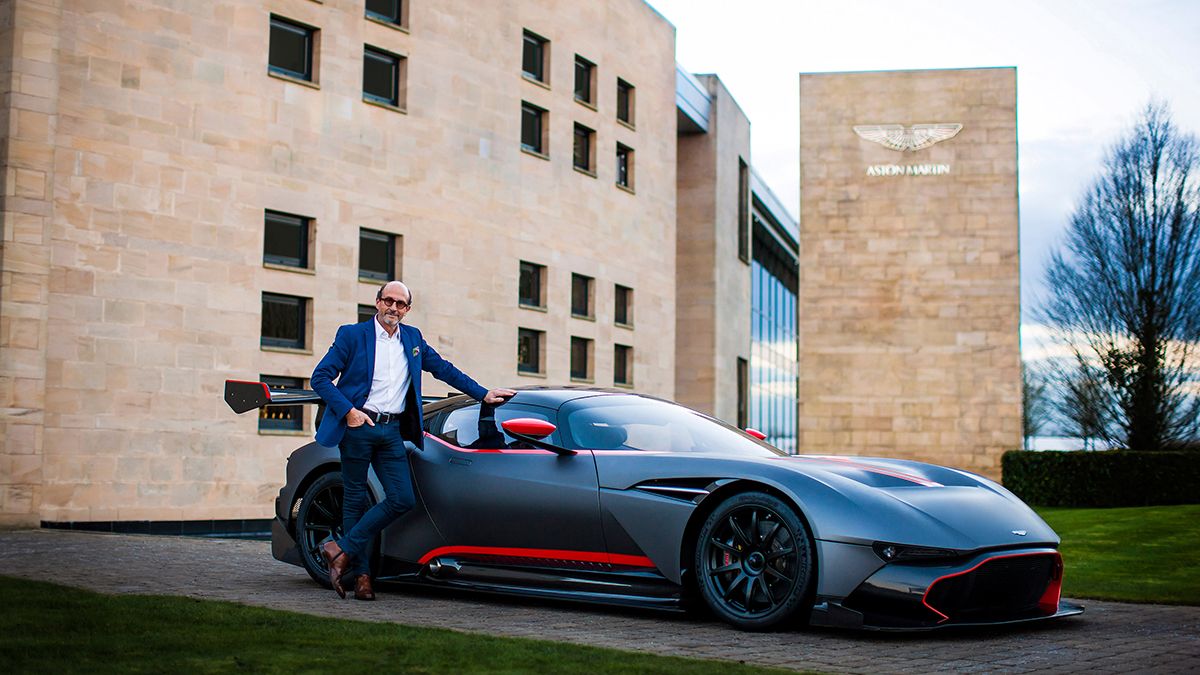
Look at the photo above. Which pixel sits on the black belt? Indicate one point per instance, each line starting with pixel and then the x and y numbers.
pixel 383 418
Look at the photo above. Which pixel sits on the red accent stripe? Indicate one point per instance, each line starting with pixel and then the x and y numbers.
pixel 873 469
pixel 266 389
pixel 1047 603
pixel 541 554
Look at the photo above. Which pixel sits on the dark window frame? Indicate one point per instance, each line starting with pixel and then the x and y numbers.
pixel 540 115
pixel 623 298
pixel 623 355
pixel 743 234
pixel 391 273
pixel 397 63
pixel 309 33
pixel 366 312
pixel 626 103
pixel 743 393
pixel 588 136
pixel 589 290
pixel 582 372
pixel 398 18
pixel 625 167
pixel 588 70
pixel 272 219
pixel 539 285
pixel 301 318
pixel 535 365
pixel 538 47
pixel 274 419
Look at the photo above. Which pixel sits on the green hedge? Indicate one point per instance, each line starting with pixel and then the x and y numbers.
pixel 1104 478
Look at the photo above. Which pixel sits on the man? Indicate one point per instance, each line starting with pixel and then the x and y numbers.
pixel 372 410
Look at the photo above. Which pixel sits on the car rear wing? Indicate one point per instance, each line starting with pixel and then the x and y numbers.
pixel 244 396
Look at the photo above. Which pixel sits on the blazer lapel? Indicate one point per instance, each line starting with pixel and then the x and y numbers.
pixel 406 340
pixel 369 338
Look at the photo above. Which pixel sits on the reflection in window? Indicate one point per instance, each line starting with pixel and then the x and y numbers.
pixel 477 427
pixel 283 321
pixel 774 350
pixel 282 417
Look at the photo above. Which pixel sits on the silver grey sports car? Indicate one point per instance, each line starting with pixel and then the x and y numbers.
pixel 613 497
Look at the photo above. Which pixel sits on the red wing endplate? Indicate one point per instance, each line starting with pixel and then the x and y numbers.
pixel 244 396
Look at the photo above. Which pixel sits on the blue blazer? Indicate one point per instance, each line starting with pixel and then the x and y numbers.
pixel 352 357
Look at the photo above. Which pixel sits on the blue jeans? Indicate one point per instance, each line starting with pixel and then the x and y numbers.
pixel 362 447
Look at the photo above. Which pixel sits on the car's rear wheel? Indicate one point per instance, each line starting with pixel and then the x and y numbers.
pixel 318 519
pixel 754 561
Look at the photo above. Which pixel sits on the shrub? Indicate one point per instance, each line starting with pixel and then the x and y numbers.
pixel 1105 478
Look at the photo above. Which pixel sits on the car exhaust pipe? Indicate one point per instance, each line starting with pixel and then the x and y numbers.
pixel 442 568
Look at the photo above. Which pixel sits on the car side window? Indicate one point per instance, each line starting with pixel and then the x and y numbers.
pixel 477 426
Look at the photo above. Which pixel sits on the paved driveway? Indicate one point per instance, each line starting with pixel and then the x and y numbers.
pixel 1109 637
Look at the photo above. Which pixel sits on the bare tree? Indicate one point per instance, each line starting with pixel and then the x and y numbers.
pixel 1126 283
pixel 1035 402
pixel 1085 407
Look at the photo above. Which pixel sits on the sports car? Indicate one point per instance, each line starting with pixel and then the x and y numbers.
pixel 614 497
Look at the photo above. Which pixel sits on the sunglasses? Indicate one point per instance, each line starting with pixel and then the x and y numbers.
pixel 400 304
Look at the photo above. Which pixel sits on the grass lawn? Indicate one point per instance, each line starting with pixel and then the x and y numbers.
pixel 1143 554
pixel 55 629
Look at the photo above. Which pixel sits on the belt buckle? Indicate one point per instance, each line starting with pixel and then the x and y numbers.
pixel 385 418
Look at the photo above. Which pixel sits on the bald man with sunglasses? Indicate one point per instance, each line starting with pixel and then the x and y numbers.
pixel 372 411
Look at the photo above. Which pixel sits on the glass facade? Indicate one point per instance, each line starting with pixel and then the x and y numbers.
pixel 774 349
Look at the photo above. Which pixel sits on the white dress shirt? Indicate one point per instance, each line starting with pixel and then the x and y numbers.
pixel 390 381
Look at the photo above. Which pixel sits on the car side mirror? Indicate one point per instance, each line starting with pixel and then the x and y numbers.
pixel 757 434
pixel 528 426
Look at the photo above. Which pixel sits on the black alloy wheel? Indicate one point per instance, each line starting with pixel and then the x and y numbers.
pixel 318 519
pixel 754 561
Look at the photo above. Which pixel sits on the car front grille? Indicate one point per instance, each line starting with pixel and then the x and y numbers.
pixel 1001 588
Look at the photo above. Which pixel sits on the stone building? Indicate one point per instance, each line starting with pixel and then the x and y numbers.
pixel 909 285
pixel 202 191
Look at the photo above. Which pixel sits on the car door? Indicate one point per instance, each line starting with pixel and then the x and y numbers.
pixel 489 493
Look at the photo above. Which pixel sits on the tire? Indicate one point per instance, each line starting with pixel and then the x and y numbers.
pixel 754 561
pixel 318 519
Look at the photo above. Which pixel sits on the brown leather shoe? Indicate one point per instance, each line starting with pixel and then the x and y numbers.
pixel 362 588
pixel 338 562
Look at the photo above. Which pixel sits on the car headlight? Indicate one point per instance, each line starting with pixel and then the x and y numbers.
pixel 889 552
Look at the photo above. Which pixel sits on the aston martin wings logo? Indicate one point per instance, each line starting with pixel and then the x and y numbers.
pixel 907 139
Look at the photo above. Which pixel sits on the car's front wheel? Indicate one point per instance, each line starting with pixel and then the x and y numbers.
pixel 754 561
pixel 319 518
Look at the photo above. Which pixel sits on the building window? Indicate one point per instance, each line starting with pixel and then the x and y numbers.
pixel 376 256
pixel 743 211
pixel 388 11
pixel 533 128
pixel 581 296
pixel 283 321
pixel 366 312
pixel 625 102
pixel 383 77
pixel 774 387
pixel 624 166
pixel 535 59
pixel 531 291
pixel 622 364
pixel 623 316
pixel 529 350
pixel 585 81
pixel 285 239
pixel 291 50
pixel 581 359
pixel 282 417
pixel 743 393
pixel 585 141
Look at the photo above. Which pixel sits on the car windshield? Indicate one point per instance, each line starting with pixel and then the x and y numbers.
pixel 623 422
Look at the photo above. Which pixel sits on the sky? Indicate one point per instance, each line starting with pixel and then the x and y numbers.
pixel 1085 69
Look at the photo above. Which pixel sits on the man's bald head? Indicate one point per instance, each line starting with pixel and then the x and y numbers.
pixel 394 286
